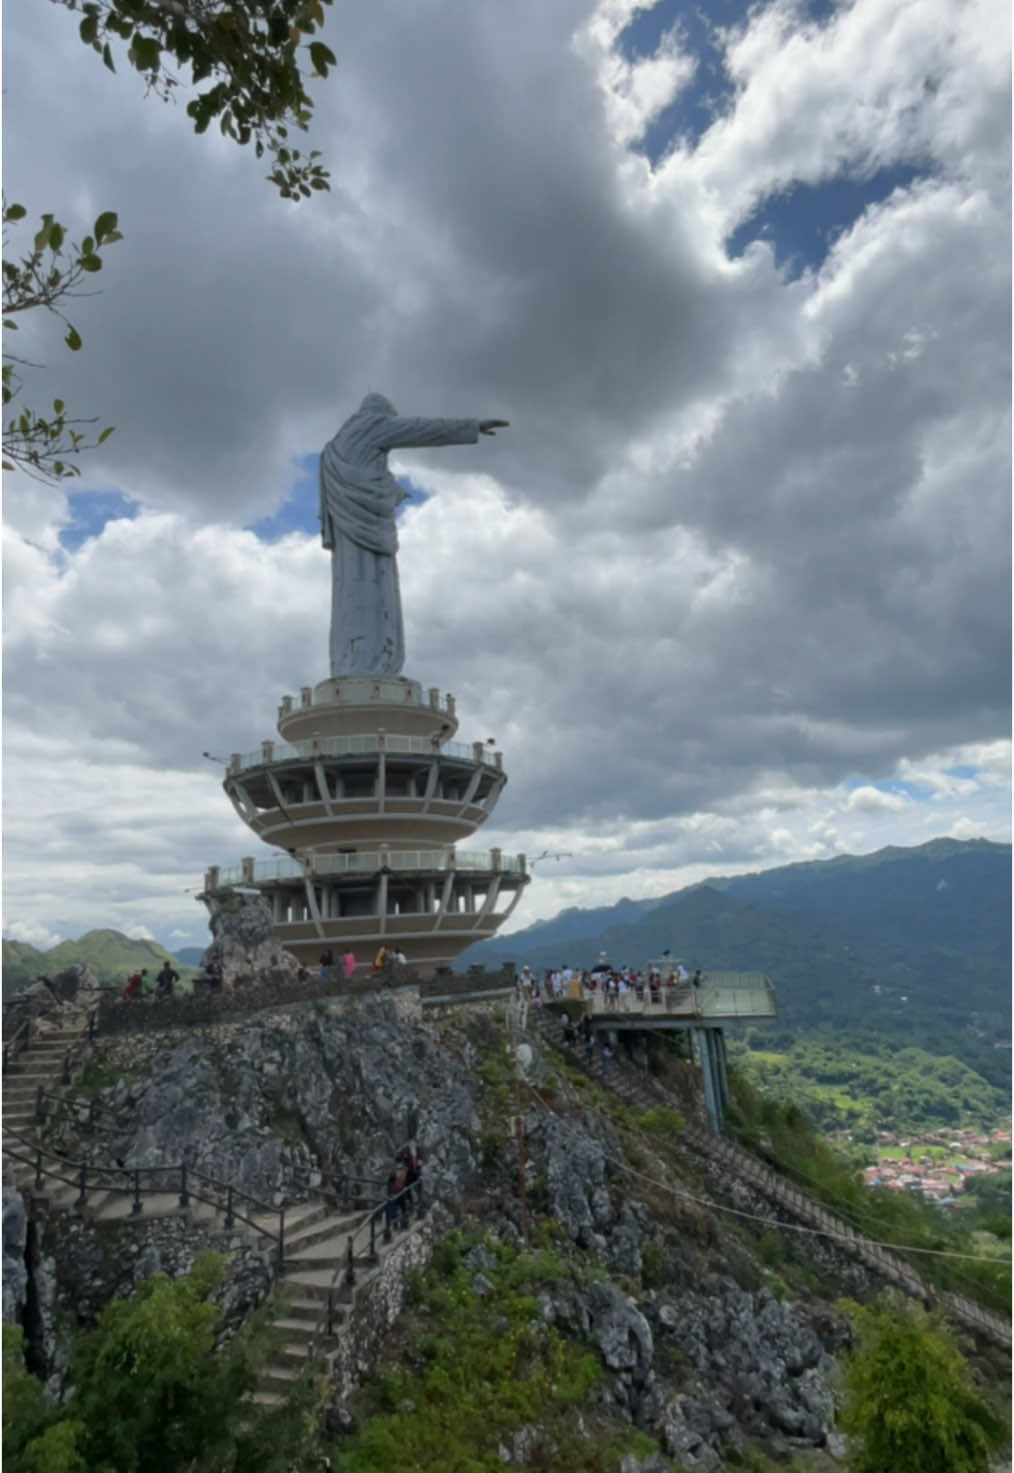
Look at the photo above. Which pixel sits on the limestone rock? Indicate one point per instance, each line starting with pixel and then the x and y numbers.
pixel 15 1275
pixel 245 947
pixel 268 1106
pixel 621 1331
pixel 77 984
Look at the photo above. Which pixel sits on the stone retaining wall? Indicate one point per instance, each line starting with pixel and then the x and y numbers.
pixel 379 1304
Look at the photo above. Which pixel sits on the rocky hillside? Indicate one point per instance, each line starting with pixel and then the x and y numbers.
pixel 661 1318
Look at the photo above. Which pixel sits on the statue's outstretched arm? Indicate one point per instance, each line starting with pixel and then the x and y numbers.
pixel 405 433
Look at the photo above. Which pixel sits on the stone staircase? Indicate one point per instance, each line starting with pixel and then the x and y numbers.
pixel 40 1063
pixel 317 1232
pixel 645 1091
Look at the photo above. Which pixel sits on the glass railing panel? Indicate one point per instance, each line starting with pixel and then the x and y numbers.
pixel 367 742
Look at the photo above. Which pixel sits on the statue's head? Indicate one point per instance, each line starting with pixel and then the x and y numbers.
pixel 377 404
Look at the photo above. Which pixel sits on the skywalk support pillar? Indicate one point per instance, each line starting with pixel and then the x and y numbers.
pixel 710 1075
pixel 722 1068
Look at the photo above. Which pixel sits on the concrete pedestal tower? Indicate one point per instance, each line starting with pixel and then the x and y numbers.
pixel 367 793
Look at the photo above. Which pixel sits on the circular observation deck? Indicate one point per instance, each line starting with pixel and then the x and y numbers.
pixel 430 903
pixel 332 793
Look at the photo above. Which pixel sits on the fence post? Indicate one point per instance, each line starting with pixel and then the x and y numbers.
pixel 350 1266
pixel 281 1238
pixel 373 1238
pixel 330 1313
pixel 135 1206
pixel 387 1223
pixel 40 1104
pixel 83 1194
pixel 229 1219
pixel 184 1194
pixel 38 1167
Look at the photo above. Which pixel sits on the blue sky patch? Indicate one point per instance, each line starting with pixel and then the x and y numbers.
pixel 803 221
pixel 298 513
pixel 90 511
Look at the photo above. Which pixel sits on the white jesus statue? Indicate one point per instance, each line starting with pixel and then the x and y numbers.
pixel 358 500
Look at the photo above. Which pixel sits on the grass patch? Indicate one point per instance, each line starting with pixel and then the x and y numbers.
pixel 481 1367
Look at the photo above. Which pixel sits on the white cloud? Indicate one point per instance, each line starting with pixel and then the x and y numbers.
pixel 733 588
pixel 868 799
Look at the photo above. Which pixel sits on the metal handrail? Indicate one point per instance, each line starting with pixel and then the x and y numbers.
pixel 39 1158
pixel 14 1045
pixel 324 1328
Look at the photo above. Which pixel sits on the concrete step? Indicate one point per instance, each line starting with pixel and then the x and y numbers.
pixel 293 1354
pixel 313 1283
pixel 268 1398
pixel 293 1329
pixel 301 1213
pixel 280 1378
pixel 294 1309
pixel 309 1233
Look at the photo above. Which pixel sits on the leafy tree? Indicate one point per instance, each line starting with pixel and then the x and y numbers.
pixel 250 54
pixel 152 1389
pixel 46 276
pixel 248 51
pixel 910 1403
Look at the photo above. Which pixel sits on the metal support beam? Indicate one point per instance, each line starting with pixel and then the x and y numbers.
pixel 325 796
pixel 490 901
pixel 472 786
pixel 445 896
pixel 708 1074
pixel 722 1064
pixel 431 784
pixel 311 900
pixel 382 905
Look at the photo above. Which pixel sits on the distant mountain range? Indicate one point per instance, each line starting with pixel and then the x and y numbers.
pixel 930 927
pixel 110 955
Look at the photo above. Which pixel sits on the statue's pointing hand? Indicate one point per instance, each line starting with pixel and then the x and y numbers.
pixel 490 426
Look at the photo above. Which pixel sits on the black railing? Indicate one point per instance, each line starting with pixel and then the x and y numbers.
pixel 89 1176
pixel 17 1043
pixel 343 1281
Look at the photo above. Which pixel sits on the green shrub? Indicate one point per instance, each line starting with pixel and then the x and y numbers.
pixel 654 1266
pixel 910 1404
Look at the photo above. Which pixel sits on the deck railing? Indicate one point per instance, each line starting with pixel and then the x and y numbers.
pixel 369 862
pixel 351 746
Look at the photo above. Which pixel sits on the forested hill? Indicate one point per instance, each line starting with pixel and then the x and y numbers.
pixel 110 955
pixel 929 927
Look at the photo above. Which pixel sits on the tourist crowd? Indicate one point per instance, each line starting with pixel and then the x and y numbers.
pixel 603 980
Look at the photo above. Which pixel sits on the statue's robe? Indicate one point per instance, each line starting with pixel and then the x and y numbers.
pixel 358 501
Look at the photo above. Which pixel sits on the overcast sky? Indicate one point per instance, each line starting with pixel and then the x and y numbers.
pixel 732 590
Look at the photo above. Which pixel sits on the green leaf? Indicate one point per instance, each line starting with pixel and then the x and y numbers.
pixel 107 57
pixel 56 235
pixel 91 263
pixel 144 53
pixel 322 57
pixel 109 430
pixel 88 30
pixel 57 406
pixel 15 212
pixel 105 225
pixel 73 339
